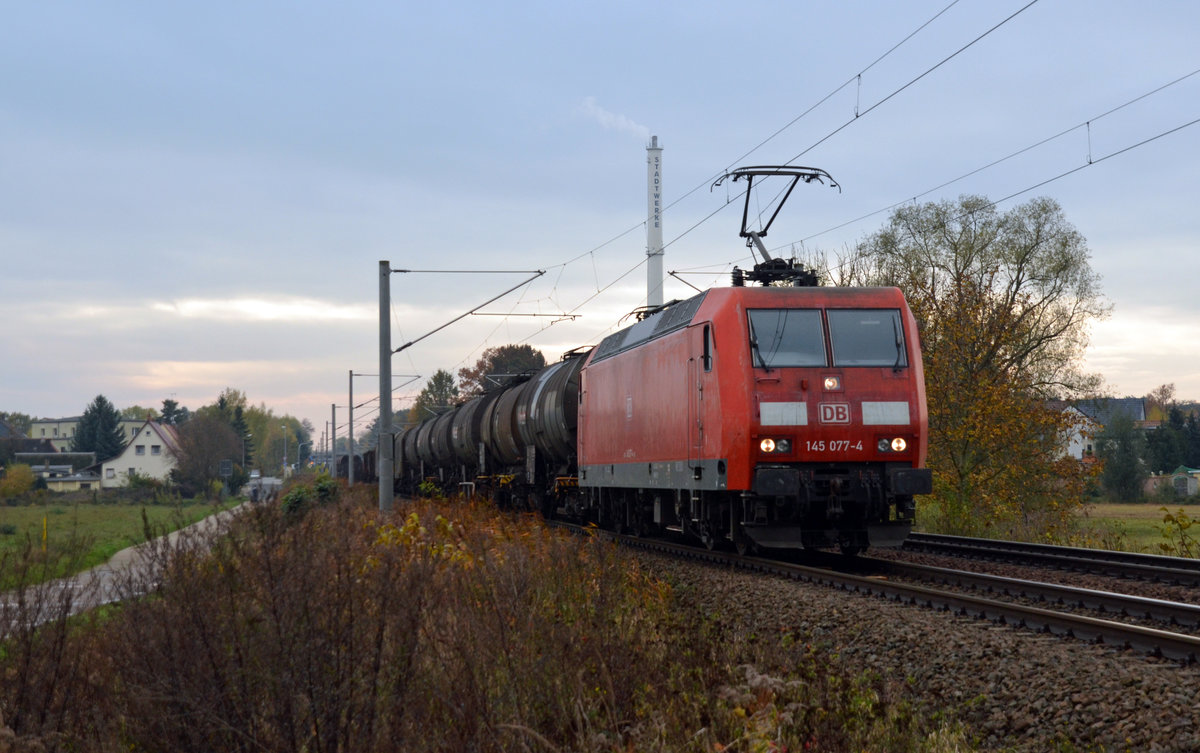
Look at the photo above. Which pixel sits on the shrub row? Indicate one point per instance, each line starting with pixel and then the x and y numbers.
pixel 308 627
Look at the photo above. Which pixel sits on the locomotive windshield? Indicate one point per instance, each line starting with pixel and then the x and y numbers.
pixel 865 337
pixel 787 337
pixel 796 337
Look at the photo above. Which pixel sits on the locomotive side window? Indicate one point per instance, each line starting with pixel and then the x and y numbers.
pixel 787 337
pixel 707 348
pixel 867 337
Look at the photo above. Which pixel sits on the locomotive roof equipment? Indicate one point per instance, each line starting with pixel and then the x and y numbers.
pixel 771 270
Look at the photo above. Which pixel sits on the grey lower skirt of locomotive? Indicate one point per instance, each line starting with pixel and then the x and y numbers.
pixel 788 507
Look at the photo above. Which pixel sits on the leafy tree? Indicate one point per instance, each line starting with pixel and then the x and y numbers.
pixel 99 430
pixel 1122 446
pixel 1159 402
pixel 439 393
pixel 204 442
pixel 501 360
pixel 368 438
pixel 139 413
pixel 18 421
pixel 1167 446
pixel 1004 301
pixel 242 430
pixel 1191 432
pixel 173 413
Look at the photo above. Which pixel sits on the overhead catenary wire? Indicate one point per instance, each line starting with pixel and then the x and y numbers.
pixel 591 252
pixel 994 163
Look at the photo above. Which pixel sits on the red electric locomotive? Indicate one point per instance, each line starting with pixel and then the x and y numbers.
pixel 769 417
pixel 782 416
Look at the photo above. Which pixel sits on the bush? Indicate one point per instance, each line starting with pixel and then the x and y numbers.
pixel 1178 538
pixel 17 481
pixel 440 628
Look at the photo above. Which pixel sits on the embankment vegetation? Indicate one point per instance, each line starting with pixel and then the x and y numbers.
pixel 327 626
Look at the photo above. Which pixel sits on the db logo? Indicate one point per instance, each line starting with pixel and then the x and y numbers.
pixel 834 413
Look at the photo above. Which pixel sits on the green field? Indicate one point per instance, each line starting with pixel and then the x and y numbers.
pixel 89 533
pixel 1140 525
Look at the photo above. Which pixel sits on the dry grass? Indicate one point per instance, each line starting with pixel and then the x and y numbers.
pixel 440 628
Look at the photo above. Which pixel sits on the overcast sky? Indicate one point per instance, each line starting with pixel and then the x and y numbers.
pixel 198 196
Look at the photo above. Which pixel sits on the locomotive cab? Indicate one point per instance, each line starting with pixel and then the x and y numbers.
pixel 766 417
pixel 839 431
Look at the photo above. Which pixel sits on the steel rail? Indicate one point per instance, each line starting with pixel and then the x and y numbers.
pixel 1151 641
pixel 1172 612
pixel 1174 570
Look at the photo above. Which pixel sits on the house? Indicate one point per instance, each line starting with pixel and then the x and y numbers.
pixel 1089 417
pixel 60 431
pixel 150 453
pixel 62 471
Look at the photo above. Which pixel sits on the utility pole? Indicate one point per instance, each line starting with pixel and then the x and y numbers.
pixel 350 432
pixel 333 425
pixel 386 448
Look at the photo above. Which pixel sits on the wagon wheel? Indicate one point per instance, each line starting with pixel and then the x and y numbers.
pixel 743 544
pixel 848 548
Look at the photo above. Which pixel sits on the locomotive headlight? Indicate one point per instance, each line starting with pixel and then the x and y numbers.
pixel 899 445
pixel 833 383
pixel 775 446
pixel 884 445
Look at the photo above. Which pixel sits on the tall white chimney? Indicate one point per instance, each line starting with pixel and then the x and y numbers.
pixel 654 241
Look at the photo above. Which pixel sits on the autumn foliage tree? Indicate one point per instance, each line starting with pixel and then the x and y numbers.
pixel 496 363
pixel 204 442
pixel 1004 301
pixel 439 393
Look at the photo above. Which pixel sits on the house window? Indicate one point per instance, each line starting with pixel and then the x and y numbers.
pixel 56 431
pixel 155 449
pixel 85 485
pixel 110 473
pixel 139 450
pixel 131 472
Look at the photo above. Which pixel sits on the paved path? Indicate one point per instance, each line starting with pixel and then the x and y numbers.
pixel 101 584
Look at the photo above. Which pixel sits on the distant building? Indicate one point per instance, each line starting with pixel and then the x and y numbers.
pixel 75 482
pixel 150 453
pixel 1184 481
pixel 1089 417
pixel 8 432
pixel 66 478
pixel 60 431
pixel 45 457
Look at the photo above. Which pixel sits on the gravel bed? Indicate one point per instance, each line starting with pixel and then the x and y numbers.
pixel 1014 689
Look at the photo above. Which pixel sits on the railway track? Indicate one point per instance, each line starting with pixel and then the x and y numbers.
pixel 1120 606
pixel 888 579
pixel 1171 570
